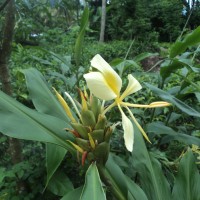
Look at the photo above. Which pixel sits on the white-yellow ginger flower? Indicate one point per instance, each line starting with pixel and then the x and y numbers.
pixel 106 84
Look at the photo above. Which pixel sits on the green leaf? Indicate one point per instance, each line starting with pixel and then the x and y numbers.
pixel 116 175
pixel 60 184
pixel 171 99
pixel 2 174
pixel 93 187
pixel 190 40
pixel 80 38
pixel 197 94
pixel 135 192
pixel 151 177
pixel 144 55
pixel 159 128
pixel 45 102
pixel 54 156
pixel 126 64
pixel 187 182
pixel 21 122
pixel 74 194
pixel 170 66
pixel 41 95
pixel 64 59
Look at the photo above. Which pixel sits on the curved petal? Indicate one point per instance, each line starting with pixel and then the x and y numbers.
pixel 128 131
pixel 98 86
pixel 133 86
pixel 111 77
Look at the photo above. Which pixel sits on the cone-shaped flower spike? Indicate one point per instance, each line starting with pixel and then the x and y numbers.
pixel 89 127
pixel 106 84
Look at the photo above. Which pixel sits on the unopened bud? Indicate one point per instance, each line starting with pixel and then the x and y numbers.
pixel 101 123
pixel 88 118
pixel 108 134
pixel 95 106
pixel 84 144
pixel 101 152
pixel 98 135
pixel 82 130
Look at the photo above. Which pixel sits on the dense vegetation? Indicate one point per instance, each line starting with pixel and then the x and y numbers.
pixel 157 41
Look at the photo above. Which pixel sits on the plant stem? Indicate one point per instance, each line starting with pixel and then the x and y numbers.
pixel 110 183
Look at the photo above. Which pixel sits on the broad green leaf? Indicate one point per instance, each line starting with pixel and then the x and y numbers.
pixel 54 156
pixel 190 39
pixel 21 122
pixel 73 195
pixel 160 128
pixel 171 99
pixel 126 64
pixel 41 95
pixel 93 187
pixel 116 176
pixel 63 59
pixel 144 55
pixel 45 102
pixel 151 177
pixel 80 38
pixel 170 66
pixel 60 184
pixel 42 61
pixel 187 182
pixel 197 94
pixel 135 192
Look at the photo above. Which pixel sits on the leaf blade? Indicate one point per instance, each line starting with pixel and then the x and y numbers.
pixel 93 187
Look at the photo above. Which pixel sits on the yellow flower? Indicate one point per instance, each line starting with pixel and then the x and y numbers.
pixel 106 84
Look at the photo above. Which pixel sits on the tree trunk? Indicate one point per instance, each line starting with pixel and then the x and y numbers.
pixel 5 49
pixel 5 52
pixel 103 21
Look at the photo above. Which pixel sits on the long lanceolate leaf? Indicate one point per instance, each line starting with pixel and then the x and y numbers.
pixel 168 97
pixel 151 177
pixel 189 40
pixel 134 191
pixel 41 95
pixel 187 182
pixel 45 102
pixel 93 188
pixel 170 134
pixel 80 38
pixel 21 122
pixel 54 156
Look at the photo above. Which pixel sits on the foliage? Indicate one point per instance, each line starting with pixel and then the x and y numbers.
pixel 165 169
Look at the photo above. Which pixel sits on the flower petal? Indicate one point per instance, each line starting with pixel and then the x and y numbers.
pixel 111 77
pixel 133 86
pixel 138 125
pixel 128 131
pixel 98 86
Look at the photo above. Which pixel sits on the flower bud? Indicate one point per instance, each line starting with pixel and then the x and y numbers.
pixel 101 152
pixel 101 123
pixel 95 106
pixel 82 130
pixel 108 134
pixel 84 144
pixel 88 118
pixel 98 135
